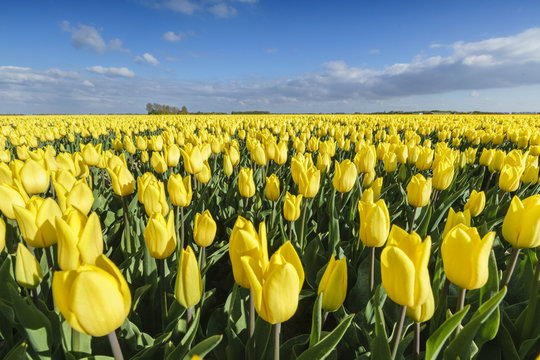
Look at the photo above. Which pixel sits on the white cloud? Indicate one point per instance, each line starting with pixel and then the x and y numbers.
pixel 111 71
pixel 223 10
pixel 88 37
pixel 475 93
pixel 171 36
pixel 147 58
pixel 88 83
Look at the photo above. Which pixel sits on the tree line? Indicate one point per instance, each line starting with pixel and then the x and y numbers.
pixel 159 109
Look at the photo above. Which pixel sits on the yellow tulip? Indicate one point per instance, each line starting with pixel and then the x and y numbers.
pixel 141 143
pixel 272 187
pixel 425 159
pixel 145 157
pixel 94 299
pixel 204 229
pixel 158 162
pixel 142 183
pixel 366 159
pixel 344 176
pixel 91 154
pixel 333 284
pixel 154 198
pixel 374 223
pixel 172 155
pixel 179 190
pixel 37 221
pixel 128 145
pixel 476 203
pixel 246 185
pixel 443 173
pixel 402 153
pixel 291 206
pixel 367 196
pixel 424 311
pixel 28 272
pixel 454 219
pixel 117 144
pixel 193 160
pixel 156 143
pixel 259 155
pixel 160 235
pixel 510 178
pixel 323 163
pixel 34 178
pixel 5 155
pixel 11 196
pixel 122 180
pixel 188 288
pixel 404 271
pixel 234 155
pixel 205 174
pixel 6 176
pixel 80 196
pixel 419 191
pixel 521 225
pixel 309 182
pixel 80 240
pixel 486 156
pixel 281 155
pixel 227 165
pixel 390 162
pixel 64 178
pixel 497 162
pixel 466 256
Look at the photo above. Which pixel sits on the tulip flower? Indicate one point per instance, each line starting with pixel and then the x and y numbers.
pixel 510 178
pixel 497 161
pixel 94 299
pixel 291 206
pixel 128 145
pixel 142 183
pixel 454 219
pixel 37 221
pixel 79 196
pixel 404 271
pixel 344 176
pixel 259 155
pixel 521 225
pixel 281 155
pixel 465 256
pixel 188 287
pixel 34 178
pixel 160 235
pixel 205 174
pixel 204 229
pixel 64 178
pixel 193 161
pixel 309 182
pixel 90 153
pixel 234 155
pixel 227 165
pixel 333 284
pixel 374 223
pixel 424 311
pixel 272 187
pixel 246 185
pixel 179 190
pixel 476 203
pixel 117 144
pixel 28 272
pixel 419 191
pixel 443 173
pixel 122 180
pixel 158 162
pixel 172 155
pixel 390 162
pixel 365 159
pixel 323 163
pixel 141 143
pixel 80 240
pixel 154 198
pixel 145 157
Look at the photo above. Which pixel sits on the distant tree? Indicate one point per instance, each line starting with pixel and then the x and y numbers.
pixel 159 109
pixel 184 110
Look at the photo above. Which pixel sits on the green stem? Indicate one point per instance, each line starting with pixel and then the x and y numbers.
pixel 189 316
pixel 115 346
pixel 372 271
pixel 163 292
pixel 302 240
pixel 417 340
pixel 531 308
pixel 251 315
pixel 277 328
pixel 324 317
pixel 127 234
pixel 460 305
pixel 290 230
pixel 412 220
pixel 203 258
pixel 182 231
pixel 511 266
pixel 399 329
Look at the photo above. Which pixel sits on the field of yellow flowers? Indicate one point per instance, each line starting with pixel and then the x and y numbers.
pixel 268 236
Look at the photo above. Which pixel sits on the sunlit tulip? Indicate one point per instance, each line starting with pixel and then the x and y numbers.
pixel 419 191
pixel 333 284
pixel 344 176
pixel 246 185
pixel 454 219
pixel 94 299
pixel 64 178
pixel 128 145
pixel 234 155
pixel 365 159
pixel 145 157
pixel 476 203
pixel 521 226
pixel 390 162
pixel 80 196
pixel 158 162
pixel 309 182
pixel 90 153
pixel 123 182
pixel 5 155
pixel 6 176
pixel 272 188
pixel 402 153
pixel 259 155
pixel 374 223
pixel 497 162
pixel 443 173
pixel 530 174
pixel 281 155
pixel 154 198
pixel 34 178
pixel 117 144
pixel 205 174
pixel 510 178
pixel 227 165
pixel 193 160
pixel 323 163
pixel 142 183
pixel 466 256
pixel 377 187
pixel 11 196
pixel 160 235
pixel 424 311
pixel 156 143
pixel 188 287
pixel 37 221
pixel 28 272
pixel 172 155
pixel 291 206
pixel 141 143
pixel 404 271
pixel 204 229
pixel 179 190
pixel 367 196
pixel 486 156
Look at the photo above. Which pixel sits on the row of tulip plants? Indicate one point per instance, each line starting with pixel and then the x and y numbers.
pixel 268 236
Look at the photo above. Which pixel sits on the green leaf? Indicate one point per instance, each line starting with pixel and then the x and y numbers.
pixel 182 349
pixel 436 341
pixel 204 347
pixel 324 347
pixel 507 345
pixel 461 345
pixel 316 321
pixel 380 348
pixel 18 353
pixel 261 337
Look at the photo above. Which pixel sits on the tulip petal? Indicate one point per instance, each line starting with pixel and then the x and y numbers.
pixel 62 284
pixel 398 276
pixel 91 242
pixel 280 294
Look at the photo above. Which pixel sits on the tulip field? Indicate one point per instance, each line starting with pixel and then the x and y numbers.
pixel 269 236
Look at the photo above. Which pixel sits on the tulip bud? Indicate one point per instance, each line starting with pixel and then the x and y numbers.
pixel 145 157
pixel 374 223
pixel 367 196
pixel 521 225
pixel 365 159
pixel 34 178
pixel 95 300
pixel 27 269
pixel 154 198
pixel 419 191
pixel 179 190
pixel 476 203
pixel 227 165
pixel 172 155
pixel 344 176
pixel 455 219
pixel 204 229
pixel 443 174
pixel 188 288
pixel 122 180
pixel 390 162
pixel 160 235
pixel 259 155
pixel 510 178
pixel 11 196
pixel 205 174
pixel 333 284
pixel 80 196
pixel 158 162
pixel 91 154
pixel 128 145
pixel 193 160
pixel 281 155
pixel 309 182
pixel 246 185
pixel 37 221
pixel 272 187
pixel 291 206
pixel 466 256
pixel 424 311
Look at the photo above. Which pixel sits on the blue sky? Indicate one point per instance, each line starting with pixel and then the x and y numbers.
pixel 282 56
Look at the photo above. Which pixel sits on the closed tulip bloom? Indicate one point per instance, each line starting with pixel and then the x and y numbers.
pixel 404 271
pixel 179 190
pixel 204 229
pixel 333 284
pixel 323 163
pixel 390 162
pixel 425 159
pixel 245 241
pixel 128 145
pixel 154 198
pixel 227 165
pixel 193 160
pixel 160 235
pixel 272 187
pixel 90 153
pixel 158 162
pixel 443 174
pixel 497 161
pixel 366 159
pixel 122 180
pixel 281 155
pixel 510 178
pixel 64 178
pixel 454 219
pixel 466 256
pixel 34 178
pixel 117 144
pixel 291 206
pixel 367 196
pixel 141 143
pixel 246 185
pixel 80 240
pixel 402 153
pixel 172 155
pixel 156 143
pixel 234 155
pixel 419 191
pixel 94 299
pixel 377 187
pixel 188 287
pixel 530 174
pixel 205 174
pixel 309 182
pixel 5 155
pixel 424 311
pixel 142 183
pixel 476 203
pixel 11 196
pixel 344 176
pixel 486 156
pixel 145 157
pixel 6 176
pixel 37 221
pixel 374 223
pixel 80 196
pixel 521 225
pixel 259 155
pixel 28 272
